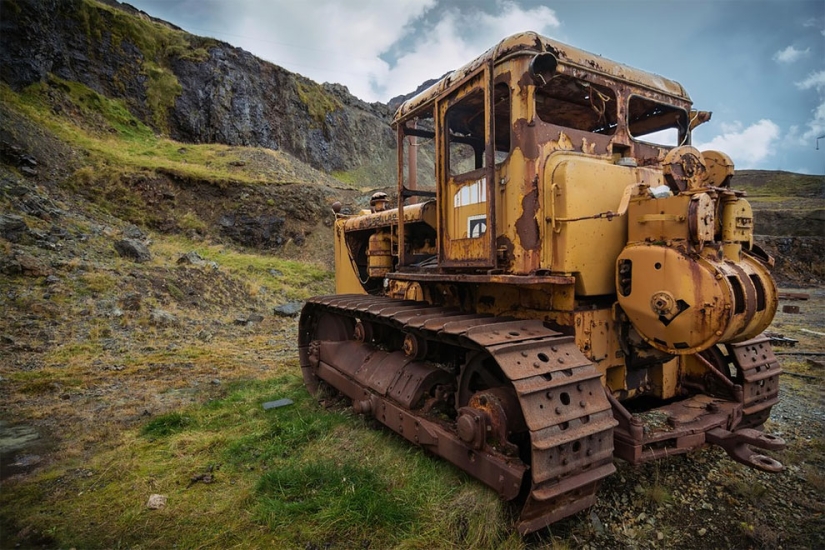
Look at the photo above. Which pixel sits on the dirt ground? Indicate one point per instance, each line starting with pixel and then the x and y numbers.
pixel 699 500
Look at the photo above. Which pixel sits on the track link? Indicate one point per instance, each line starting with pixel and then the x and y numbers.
pixel 758 372
pixel 558 391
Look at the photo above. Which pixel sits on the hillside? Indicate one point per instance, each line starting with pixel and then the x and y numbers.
pixel 190 88
pixel 164 210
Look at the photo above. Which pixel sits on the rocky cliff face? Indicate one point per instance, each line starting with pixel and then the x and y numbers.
pixel 193 89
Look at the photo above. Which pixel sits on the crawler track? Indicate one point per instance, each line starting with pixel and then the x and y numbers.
pixel 757 370
pixel 510 401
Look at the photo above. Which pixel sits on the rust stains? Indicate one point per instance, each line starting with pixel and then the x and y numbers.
pixel 525 139
pixel 505 250
pixel 525 80
pixel 527 227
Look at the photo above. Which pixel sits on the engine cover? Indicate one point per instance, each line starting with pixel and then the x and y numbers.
pixel 684 304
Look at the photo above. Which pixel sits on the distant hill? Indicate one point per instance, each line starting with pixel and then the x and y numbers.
pixel 786 204
pixel 776 183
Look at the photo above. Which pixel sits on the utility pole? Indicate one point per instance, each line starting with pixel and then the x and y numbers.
pixel 817 141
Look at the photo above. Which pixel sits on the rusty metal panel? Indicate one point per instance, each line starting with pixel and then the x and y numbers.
pixel 438 324
pixel 526 359
pixel 381 370
pixel 406 316
pixel 560 404
pixel 513 331
pixel 553 436
pixel 437 318
pixel 760 378
pixel 413 381
pixel 460 327
pixel 354 355
pixel 383 309
pixel 568 484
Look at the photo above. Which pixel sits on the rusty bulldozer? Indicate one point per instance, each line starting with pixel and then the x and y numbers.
pixel 564 280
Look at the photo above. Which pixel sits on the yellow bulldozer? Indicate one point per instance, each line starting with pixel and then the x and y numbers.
pixel 564 280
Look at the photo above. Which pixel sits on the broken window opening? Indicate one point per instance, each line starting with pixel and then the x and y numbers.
pixel 657 123
pixel 466 130
pixel 418 149
pixel 577 104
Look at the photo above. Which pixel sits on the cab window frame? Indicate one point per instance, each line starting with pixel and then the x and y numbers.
pixel 683 135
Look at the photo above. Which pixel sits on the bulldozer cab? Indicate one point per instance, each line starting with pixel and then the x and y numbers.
pixel 469 156
pixel 470 136
pixel 488 132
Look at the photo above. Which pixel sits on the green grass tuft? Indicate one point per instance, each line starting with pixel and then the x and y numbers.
pixel 334 499
pixel 318 102
pixel 166 424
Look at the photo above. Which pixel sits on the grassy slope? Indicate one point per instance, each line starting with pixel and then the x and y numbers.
pixel 116 141
pixel 770 183
pixel 291 477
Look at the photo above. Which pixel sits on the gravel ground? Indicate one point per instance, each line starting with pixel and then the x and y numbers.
pixel 705 500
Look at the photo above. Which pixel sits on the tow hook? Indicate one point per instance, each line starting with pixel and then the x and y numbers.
pixel 736 444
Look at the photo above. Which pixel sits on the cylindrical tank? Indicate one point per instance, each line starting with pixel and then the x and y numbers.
pixel 379 254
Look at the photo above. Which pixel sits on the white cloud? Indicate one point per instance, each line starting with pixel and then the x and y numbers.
pixel 748 147
pixel 335 41
pixel 790 54
pixel 813 80
pixel 325 40
pixel 459 37
pixel 816 125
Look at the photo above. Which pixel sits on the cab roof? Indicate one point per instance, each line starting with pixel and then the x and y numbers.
pixel 527 43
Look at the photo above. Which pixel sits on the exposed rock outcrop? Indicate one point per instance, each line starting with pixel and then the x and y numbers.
pixel 194 89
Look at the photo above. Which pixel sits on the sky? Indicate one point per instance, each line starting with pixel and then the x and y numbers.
pixel 759 65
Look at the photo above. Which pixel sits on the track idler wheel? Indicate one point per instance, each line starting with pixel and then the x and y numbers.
pixel 489 419
pixel 362 332
pixel 414 347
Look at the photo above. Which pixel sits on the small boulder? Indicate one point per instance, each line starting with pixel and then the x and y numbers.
pixel 192 258
pixel 134 232
pixel 21 263
pixel 156 502
pixel 13 228
pixel 162 318
pixel 131 248
pixel 289 309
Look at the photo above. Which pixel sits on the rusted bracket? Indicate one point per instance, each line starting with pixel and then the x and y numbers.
pixel 735 389
pixel 736 445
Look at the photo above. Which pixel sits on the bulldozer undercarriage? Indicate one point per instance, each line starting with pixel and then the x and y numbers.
pixel 516 404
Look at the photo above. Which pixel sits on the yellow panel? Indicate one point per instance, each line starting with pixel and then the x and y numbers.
pixel 678 303
pixel 578 187
pixel 666 379
pixel 659 219
pixel 346 279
